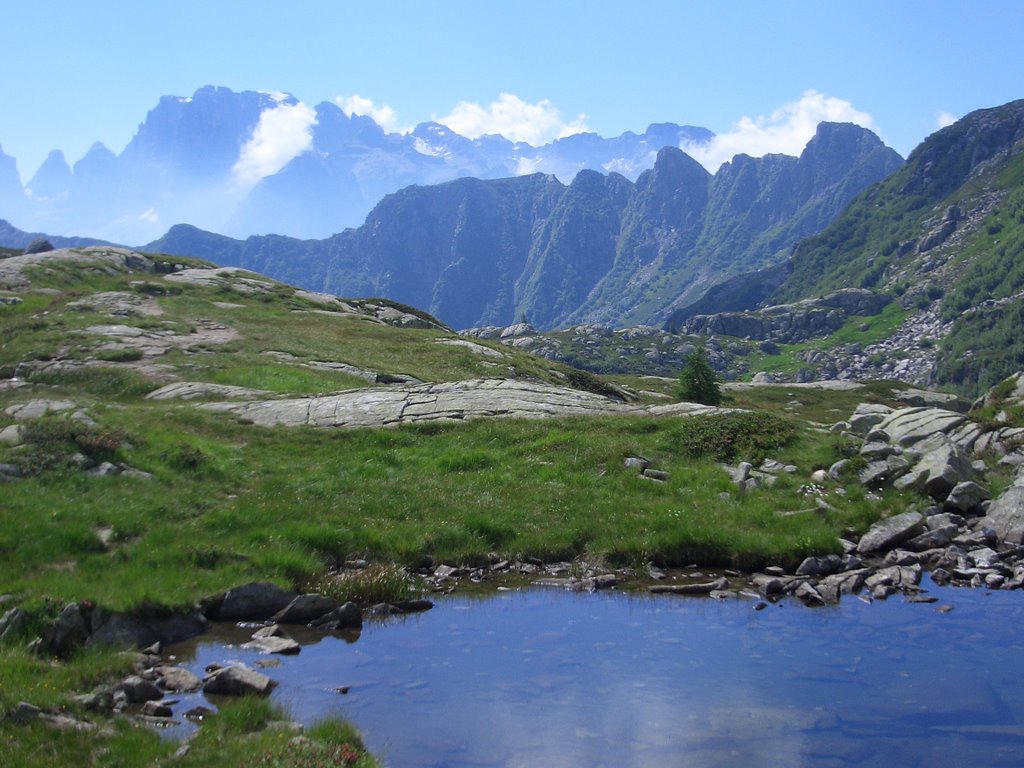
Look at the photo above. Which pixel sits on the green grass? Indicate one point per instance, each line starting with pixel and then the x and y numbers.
pixel 229 503
pixel 241 733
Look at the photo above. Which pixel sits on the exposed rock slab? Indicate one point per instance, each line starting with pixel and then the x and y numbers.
pixel 477 349
pixel 907 426
pixel 34 409
pixel 12 270
pixel 377 407
pixel 118 304
pixel 197 390
pixel 928 399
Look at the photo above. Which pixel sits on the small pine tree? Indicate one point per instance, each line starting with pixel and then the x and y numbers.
pixel 698 382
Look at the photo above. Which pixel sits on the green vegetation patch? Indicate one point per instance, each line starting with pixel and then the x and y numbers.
pixel 863 330
pixel 726 436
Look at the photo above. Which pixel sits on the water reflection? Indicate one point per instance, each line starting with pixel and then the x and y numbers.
pixel 546 677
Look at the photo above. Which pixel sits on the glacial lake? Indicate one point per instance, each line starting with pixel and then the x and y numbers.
pixel 546 677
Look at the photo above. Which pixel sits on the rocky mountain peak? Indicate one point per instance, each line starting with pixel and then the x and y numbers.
pixel 53 179
pixel 948 157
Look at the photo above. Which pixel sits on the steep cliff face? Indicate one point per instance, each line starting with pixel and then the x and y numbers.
pixel 601 249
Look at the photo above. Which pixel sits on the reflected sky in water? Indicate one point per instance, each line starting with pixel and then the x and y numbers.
pixel 544 677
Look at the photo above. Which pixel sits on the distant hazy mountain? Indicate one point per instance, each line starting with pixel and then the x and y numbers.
pixel 601 249
pixel 182 166
pixel 14 238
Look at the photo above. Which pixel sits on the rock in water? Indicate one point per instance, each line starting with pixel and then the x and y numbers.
pixel 254 602
pixel 238 681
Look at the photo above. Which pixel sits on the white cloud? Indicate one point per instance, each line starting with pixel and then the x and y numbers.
pixel 282 133
pixel 382 114
pixel 514 119
pixel 944 119
pixel 150 216
pixel 786 131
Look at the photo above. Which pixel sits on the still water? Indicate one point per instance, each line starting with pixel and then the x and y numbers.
pixel 544 677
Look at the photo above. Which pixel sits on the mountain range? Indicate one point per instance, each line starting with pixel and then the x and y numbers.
pixel 602 249
pixel 197 159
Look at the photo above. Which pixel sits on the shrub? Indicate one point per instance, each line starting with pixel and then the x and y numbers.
pixel 728 436
pixel 698 382
pixel 53 444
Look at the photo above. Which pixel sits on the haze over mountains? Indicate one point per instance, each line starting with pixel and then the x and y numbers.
pixel 255 163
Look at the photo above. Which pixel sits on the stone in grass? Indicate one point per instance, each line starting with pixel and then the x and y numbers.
pixel 238 680
pixel 139 690
pixel 67 632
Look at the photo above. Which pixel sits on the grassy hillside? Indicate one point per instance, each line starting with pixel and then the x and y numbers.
pixel 222 502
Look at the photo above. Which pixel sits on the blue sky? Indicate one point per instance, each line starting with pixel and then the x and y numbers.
pixel 76 72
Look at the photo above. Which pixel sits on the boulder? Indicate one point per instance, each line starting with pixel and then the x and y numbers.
pixel 934 538
pixel 178 679
pixel 866 416
pixel 927 398
pixel 887 533
pixel 965 497
pixel 1006 516
pixel 938 471
pixel 38 245
pixel 12 434
pixel 67 632
pixel 255 601
pixel 883 471
pixel 121 630
pixel 139 690
pixel 347 616
pixel 820 566
pixel 304 608
pixel 238 680
pixel 13 623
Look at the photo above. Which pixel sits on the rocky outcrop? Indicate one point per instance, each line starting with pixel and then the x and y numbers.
pixel 452 401
pixel 791 323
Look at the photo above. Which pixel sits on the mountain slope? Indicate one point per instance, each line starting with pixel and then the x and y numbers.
pixel 946 234
pixel 488 252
